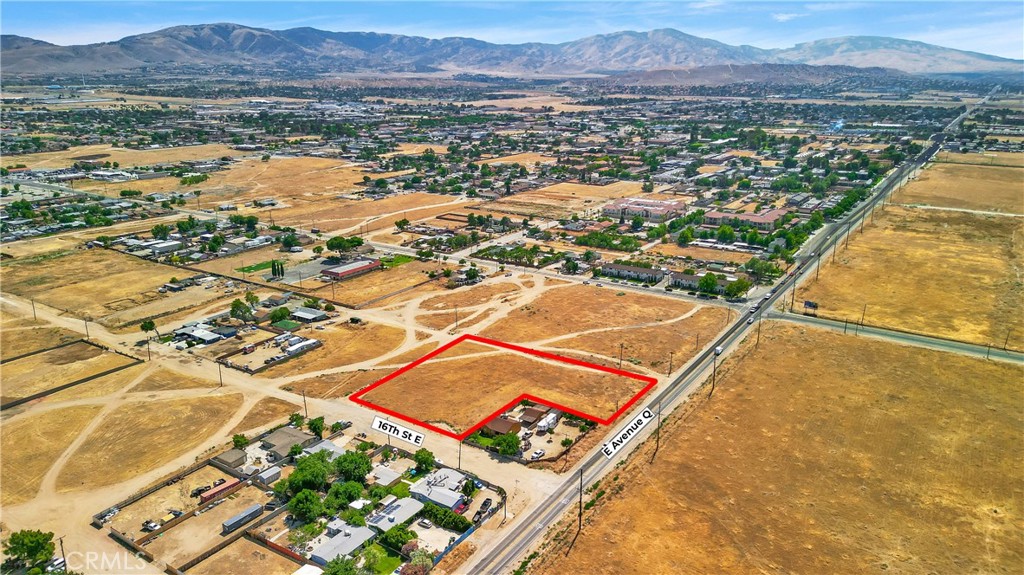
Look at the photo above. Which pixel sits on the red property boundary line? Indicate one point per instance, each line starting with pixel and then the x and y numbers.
pixel 649 381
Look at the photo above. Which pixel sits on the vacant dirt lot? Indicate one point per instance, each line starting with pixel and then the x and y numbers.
pixel 954 274
pixel 161 431
pixel 42 371
pixel 31 444
pixel 101 386
pixel 70 240
pixel 333 214
pixel 88 283
pixel 650 346
pixel 243 557
pixel 125 157
pixel 266 411
pixel 197 534
pixel 467 297
pixel 562 200
pixel 157 504
pixel 454 393
pixel 558 312
pixel 528 160
pixel 969 187
pixel 862 457
pixel 344 344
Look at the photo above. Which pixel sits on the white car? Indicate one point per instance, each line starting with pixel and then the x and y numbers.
pixel 537 454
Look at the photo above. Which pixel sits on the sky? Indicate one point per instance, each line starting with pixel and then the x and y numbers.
pixel 989 27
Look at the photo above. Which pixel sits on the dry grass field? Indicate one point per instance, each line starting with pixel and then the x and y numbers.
pixel 336 384
pixel 862 457
pixel 88 283
pixel 533 101
pixel 528 160
pixel 127 158
pixel 161 431
pixel 650 346
pixel 467 297
pixel 696 253
pixel 954 274
pixel 451 392
pixel 164 380
pixel 42 371
pixel 984 159
pixel 557 312
pixel 334 214
pixel 21 336
pixel 31 444
pixel 266 411
pixel 562 200
pixel 344 344
pixel 369 286
pixel 71 240
pixel 244 557
pixel 966 186
pixel 101 386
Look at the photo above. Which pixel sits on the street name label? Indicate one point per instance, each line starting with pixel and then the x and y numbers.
pixel 398 431
pixel 626 433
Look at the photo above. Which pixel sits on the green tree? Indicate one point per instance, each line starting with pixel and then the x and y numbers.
pixel 306 505
pixel 737 288
pixel 424 459
pixel 289 241
pixel 239 441
pixel 726 234
pixel 296 419
pixel 311 472
pixel 708 283
pixel 29 547
pixel 353 466
pixel 371 557
pixel 507 444
pixel 422 558
pixel 318 250
pixel 342 245
pixel 341 494
pixel 161 231
pixel 396 537
pixel 402 224
pixel 295 450
pixel 316 426
pixel 148 326
pixel 637 223
pixel 251 298
pixel 685 236
pixel 239 310
pixel 279 314
pixel 472 274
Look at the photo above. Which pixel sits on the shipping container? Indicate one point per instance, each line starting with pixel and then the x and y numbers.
pixel 242 518
pixel 218 491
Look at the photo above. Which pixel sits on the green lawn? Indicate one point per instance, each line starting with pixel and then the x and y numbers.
pixel 400 490
pixel 287 325
pixel 256 267
pixel 396 260
pixel 389 563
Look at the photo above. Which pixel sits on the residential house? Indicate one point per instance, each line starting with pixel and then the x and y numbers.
pixel 650 275
pixel 442 487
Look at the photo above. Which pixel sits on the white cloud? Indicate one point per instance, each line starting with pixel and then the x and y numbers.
pixel 705 5
pixel 786 16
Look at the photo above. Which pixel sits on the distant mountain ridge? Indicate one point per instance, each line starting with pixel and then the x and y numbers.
pixel 211 45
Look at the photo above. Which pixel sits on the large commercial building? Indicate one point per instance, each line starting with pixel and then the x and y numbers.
pixel 352 269
pixel 654 211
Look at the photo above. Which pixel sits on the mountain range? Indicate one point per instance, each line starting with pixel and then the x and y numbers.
pixel 318 51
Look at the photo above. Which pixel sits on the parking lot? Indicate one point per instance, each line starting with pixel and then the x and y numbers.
pixel 433 538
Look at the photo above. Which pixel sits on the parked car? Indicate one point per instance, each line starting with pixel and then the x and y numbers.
pixel 537 454
pixel 221 481
pixel 479 515
pixel 486 504
pixel 425 523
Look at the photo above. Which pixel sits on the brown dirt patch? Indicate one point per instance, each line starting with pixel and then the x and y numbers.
pixel 954 274
pixel 244 557
pixel 453 393
pixel 413 354
pixel 369 286
pixel 49 369
pixel 127 158
pixel 163 379
pixel 528 160
pixel 266 411
pixel 160 502
pixel 31 444
pixel 558 312
pixel 650 346
pixel 868 457
pixel 336 384
pixel 967 187
pixel 984 158
pixel 161 431
pixel 333 214
pixel 344 344
pixel 99 387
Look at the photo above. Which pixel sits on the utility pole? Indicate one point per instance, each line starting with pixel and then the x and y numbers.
pixel 62 554
pixel 580 528
pixel 456 318
pixel 759 320
pixel 817 268
pixel 460 454
pixel 1007 340
pixel 670 354
pixel 988 352
pixel 657 431
pixel 305 407
pixel 148 352
pixel 846 322
pixel 696 346
pixel 621 345
pixel 220 375
pixel 714 373
pixel 864 311
pixel 33 310
pixel 86 328
pixel 332 289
